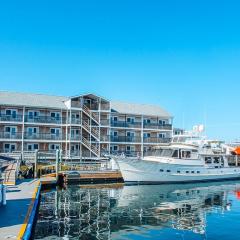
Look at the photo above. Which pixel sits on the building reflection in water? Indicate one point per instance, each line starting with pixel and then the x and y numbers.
pixel 106 212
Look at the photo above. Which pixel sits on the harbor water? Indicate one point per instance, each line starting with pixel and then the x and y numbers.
pixel 189 211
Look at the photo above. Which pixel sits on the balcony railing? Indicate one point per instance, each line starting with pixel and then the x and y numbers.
pixel 125 124
pixel 157 126
pixel 105 122
pixel 7 135
pixel 125 139
pixel 11 118
pixel 44 119
pixel 154 140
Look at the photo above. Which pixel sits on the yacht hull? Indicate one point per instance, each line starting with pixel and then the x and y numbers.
pixel 141 171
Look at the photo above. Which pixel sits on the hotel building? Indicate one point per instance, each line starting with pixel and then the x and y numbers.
pixel 86 126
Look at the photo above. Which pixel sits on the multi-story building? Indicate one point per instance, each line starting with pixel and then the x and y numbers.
pixel 82 126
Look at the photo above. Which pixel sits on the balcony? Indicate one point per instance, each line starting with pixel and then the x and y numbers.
pixel 44 119
pixel 157 126
pixel 155 140
pixel 7 135
pixel 11 118
pixel 43 136
pixel 105 122
pixel 125 124
pixel 126 139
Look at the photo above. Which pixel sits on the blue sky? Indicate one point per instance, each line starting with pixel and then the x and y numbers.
pixel 183 55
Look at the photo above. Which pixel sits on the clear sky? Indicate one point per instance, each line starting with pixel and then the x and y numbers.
pixel 183 55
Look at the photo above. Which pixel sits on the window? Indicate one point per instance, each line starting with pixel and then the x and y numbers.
pixel 147 121
pixel 115 134
pixel 208 160
pixel 216 160
pixel 32 130
pixel 162 122
pixel 187 171
pixel 162 135
pixel 115 119
pixel 175 154
pixel 55 115
pixel 130 134
pixel 11 130
pixel 8 112
pixel 146 135
pixel 130 120
pixel 161 170
pixel 32 147
pixel 192 172
pixel 115 148
pixel 11 112
pixel 128 148
pixel 9 147
pixel 198 171
pixel 54 147
pixel 33 114
pixel 168 171
pixel 55 131
pixel 178 171
pixel 186 154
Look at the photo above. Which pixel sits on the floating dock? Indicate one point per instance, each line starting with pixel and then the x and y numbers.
pixel 15 216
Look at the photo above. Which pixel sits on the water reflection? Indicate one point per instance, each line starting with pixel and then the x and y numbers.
pixel 134 212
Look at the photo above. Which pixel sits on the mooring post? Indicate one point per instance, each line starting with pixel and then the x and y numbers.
pixel 35 163
pixel 57 164
pixel 60 160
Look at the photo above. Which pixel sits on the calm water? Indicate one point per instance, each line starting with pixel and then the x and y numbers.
pixel 199 211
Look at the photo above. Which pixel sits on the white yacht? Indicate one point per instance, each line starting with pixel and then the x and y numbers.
pixel 184 160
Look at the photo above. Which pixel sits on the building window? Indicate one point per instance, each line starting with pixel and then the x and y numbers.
pixel 32 147
pixel 11 112
pixel 162 135
pixel 115 133
pixel 33 114
pixel 130 120
pixel 162 122
pixel 146 135
pixel 147 121
pixel 54 147
pixel 55 131
pixel 9 147
pixel 55 115
pixel 115 119
pixel 115 148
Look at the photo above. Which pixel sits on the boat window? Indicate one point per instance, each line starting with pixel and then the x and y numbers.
pixel 198 171
pixel 208 160
pixel 193 172
pixel 187 171
pixel 175 154
pixel 186 154
pixel 166 152
pixel 178 171
pixel 168 170
pixel 216 160
pixel 161 170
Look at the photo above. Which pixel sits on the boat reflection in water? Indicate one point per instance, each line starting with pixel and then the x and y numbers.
pixel 198 211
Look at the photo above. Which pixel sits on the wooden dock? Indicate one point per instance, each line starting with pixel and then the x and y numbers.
pixel 92 177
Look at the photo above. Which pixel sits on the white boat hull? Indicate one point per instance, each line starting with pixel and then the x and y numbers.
pixel 141 171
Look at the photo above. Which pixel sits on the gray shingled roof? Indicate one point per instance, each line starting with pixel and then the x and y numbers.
pixel 30 99
pixel 139 109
